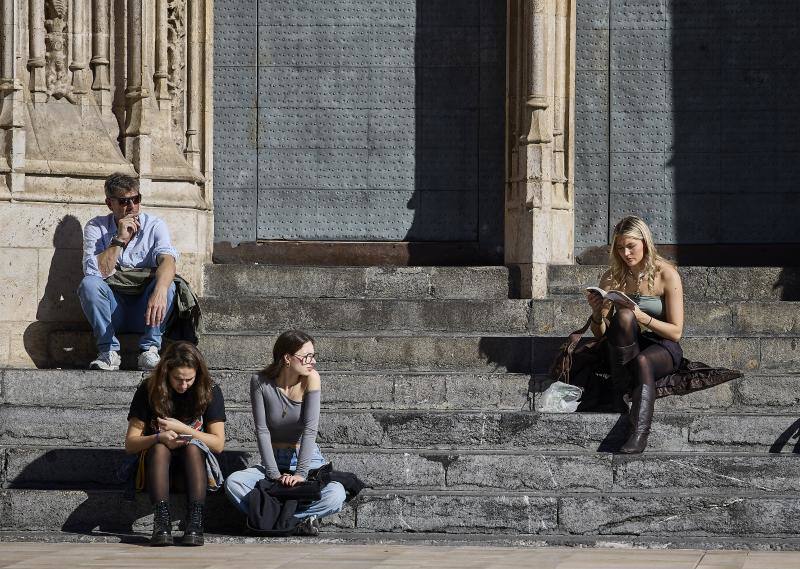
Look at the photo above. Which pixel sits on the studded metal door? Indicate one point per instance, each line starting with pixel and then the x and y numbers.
pixel 687 114
pixel 359 120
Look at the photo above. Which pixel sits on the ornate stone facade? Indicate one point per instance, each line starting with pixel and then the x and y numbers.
pixel 87 88
pixel 540 199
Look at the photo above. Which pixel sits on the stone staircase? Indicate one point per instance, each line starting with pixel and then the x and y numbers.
pixel 426 380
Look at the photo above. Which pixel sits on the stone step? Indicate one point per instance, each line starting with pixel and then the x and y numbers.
pixel 455 469
pixel 672 431
pixel 276 314
pixel 417 351
pixel 722 515
pixel 767 394
pixel 557 316
pixel 378 389
pixel 699 283
pixel 480 283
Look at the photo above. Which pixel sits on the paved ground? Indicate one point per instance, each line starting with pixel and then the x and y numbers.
pixel 314 556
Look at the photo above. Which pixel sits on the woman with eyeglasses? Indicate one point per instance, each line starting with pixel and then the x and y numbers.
pixel 642 337
pixel 285 397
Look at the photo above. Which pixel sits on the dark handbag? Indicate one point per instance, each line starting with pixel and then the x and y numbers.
pixel 578 364
pixel 307 491
pixel 586 365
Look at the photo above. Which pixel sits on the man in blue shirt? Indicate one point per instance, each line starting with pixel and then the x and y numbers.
pixel 126 239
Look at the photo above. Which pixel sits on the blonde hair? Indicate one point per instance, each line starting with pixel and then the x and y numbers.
pixel 635 227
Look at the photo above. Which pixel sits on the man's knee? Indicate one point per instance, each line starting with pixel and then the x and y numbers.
pixel 91 285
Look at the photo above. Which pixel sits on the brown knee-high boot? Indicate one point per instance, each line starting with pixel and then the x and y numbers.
pixel 621 379
pixel 641 415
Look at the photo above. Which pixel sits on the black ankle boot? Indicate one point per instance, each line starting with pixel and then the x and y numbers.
pixel 193 535
pixel 162 525
pixel 644 399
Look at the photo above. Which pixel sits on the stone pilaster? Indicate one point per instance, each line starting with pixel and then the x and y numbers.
pixel 540 108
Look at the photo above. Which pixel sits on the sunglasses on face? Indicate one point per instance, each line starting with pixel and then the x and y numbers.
pixel 127 201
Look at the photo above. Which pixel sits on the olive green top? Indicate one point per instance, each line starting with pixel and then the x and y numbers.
pixel 652 305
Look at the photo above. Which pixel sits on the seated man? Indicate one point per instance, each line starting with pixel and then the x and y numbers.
pixel 126 239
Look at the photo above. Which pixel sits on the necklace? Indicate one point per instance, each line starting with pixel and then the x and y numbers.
pixel 638 280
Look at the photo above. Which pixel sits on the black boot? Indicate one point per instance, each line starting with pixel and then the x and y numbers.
pixel 193 535
pixel 644 399
pixel 162 525
pixel 618 356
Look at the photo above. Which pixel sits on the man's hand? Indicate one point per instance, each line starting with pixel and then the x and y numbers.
pixel 127 228
pixel 156 307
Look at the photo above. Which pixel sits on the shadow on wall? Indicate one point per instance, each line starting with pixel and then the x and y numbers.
pixel 735 156
pixel 59 308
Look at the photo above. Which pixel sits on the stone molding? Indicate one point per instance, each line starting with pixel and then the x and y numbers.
pixel 540 109
pixel 90 87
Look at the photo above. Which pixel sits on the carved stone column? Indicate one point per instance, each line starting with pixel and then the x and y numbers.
pixel 79 62
pixel 101 23
pixel 539 200
pixel 36 51
pixel 12 133
pixel 138 147
pixel 194 93
pixel 161 76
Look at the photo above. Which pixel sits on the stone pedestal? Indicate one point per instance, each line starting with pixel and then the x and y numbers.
pixel 87 88
pixel 540 205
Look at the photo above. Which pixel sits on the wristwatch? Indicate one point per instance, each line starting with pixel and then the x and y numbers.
pixel 117 242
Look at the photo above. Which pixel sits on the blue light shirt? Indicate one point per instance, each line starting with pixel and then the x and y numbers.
pixel 142 251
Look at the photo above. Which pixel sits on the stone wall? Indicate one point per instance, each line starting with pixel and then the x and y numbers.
pixel 87 88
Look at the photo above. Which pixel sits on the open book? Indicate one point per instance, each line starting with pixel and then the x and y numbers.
pixel 616 296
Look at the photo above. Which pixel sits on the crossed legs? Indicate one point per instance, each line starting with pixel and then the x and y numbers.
pixel 637 370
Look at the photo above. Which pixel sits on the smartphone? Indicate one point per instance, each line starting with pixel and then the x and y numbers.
pixel 186 438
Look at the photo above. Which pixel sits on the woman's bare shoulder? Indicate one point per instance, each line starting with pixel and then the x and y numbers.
pixel 667 271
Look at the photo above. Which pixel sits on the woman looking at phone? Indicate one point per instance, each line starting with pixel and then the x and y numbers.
pixel 176 417
pixel 642 336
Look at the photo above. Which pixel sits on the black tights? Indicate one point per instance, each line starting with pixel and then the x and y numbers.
pixel 158 461
pixel 647 365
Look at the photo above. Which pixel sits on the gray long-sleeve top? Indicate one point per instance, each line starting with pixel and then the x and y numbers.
pixel 279 419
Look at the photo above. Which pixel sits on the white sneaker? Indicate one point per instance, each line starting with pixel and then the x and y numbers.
pixel 107 361
pixel 149 360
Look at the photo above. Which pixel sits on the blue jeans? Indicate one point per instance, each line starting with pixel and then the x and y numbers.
pixel 109 312
pixel 239 484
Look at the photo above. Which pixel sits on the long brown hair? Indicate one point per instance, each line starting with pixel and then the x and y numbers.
pixel 159 391
pixel 287 343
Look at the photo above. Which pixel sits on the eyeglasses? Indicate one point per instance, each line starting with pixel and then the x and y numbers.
pixel 126 201
pixel 307 358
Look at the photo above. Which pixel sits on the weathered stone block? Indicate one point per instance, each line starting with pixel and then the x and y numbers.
pixel 436 430
pixel 351 429
pixel 69 387
pixel 451 514
pixel 538 472
pixel 761 432
pixel 680 515
pixel 780 354
pixel 767 318
pixel 393 470
pixel 19 271
pixel 707 472
pixel 737 353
